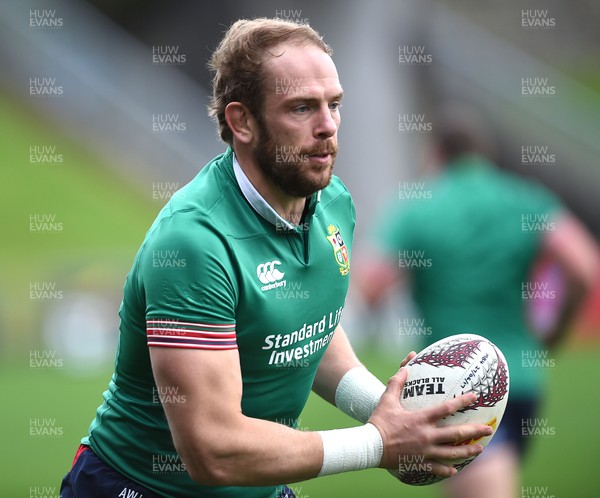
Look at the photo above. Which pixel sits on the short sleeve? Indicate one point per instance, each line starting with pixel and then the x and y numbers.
pixel 186 275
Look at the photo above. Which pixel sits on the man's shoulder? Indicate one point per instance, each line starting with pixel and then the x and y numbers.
pixel 525 192
pixel 207 189
pixel 336 191
pixel 195 214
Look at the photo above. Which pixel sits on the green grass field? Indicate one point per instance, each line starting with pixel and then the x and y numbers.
pixel 563 463
pixel 104 223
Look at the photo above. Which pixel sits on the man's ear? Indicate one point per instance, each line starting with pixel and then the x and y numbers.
pixel 240 121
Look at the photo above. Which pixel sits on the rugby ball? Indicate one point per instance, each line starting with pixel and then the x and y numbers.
pixel 453 366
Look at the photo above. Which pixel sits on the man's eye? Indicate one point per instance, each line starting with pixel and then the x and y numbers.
pixel 301 109
pixel 335 106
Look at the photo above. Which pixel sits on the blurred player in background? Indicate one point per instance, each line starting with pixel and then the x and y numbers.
pixel 216 358
pixel 468 249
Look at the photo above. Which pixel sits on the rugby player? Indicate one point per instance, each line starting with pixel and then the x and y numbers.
pixel 214 364
pixel 468 250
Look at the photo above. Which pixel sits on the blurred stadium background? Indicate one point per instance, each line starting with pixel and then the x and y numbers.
pixel 99 128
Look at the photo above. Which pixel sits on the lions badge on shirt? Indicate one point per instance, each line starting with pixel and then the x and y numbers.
pixel 340 251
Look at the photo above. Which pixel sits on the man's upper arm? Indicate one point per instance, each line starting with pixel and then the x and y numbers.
pixel 208 388
pixel 189 288
pixel 573 247
pixel 190 297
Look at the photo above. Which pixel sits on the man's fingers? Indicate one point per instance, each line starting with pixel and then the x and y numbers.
pixel 409 357
pixel 451 406
pixel 439 469
pixel 451 452
pixel 436 468
pixel 462 434
pixel 396 383
pixel 420 433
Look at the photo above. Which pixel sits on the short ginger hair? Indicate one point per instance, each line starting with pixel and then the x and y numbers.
pixel 238 63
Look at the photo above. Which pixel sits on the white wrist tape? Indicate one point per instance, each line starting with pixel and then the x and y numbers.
pixel 358 393
pixel 356 448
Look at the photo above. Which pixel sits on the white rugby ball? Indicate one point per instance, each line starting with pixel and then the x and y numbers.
pixel 453 366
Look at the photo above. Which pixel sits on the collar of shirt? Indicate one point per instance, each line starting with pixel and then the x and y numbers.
pixel 258 202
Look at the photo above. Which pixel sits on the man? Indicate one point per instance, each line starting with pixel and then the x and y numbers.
pixel 468 247
pixel 214 366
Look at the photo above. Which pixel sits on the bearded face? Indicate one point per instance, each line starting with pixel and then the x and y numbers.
pixel 297 171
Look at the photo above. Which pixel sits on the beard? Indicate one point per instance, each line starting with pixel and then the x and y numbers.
pixel 289 167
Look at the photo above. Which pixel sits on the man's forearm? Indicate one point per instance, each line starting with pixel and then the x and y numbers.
pixel 259 453
pixel 345 382
pixel 254 452
pixel 337 361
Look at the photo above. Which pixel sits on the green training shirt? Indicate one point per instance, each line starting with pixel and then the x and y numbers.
pixel 469 239
pixel 220 269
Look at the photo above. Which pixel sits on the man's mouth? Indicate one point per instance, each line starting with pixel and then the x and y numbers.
pixel 321 158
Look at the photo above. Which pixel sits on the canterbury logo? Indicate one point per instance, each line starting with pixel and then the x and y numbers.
pixel 267 273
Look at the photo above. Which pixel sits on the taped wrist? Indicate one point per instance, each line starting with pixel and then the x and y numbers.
pixel 356 448
pixel 358 393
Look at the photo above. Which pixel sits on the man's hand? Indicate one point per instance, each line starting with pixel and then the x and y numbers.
pixel 409 357
pixel 417 433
